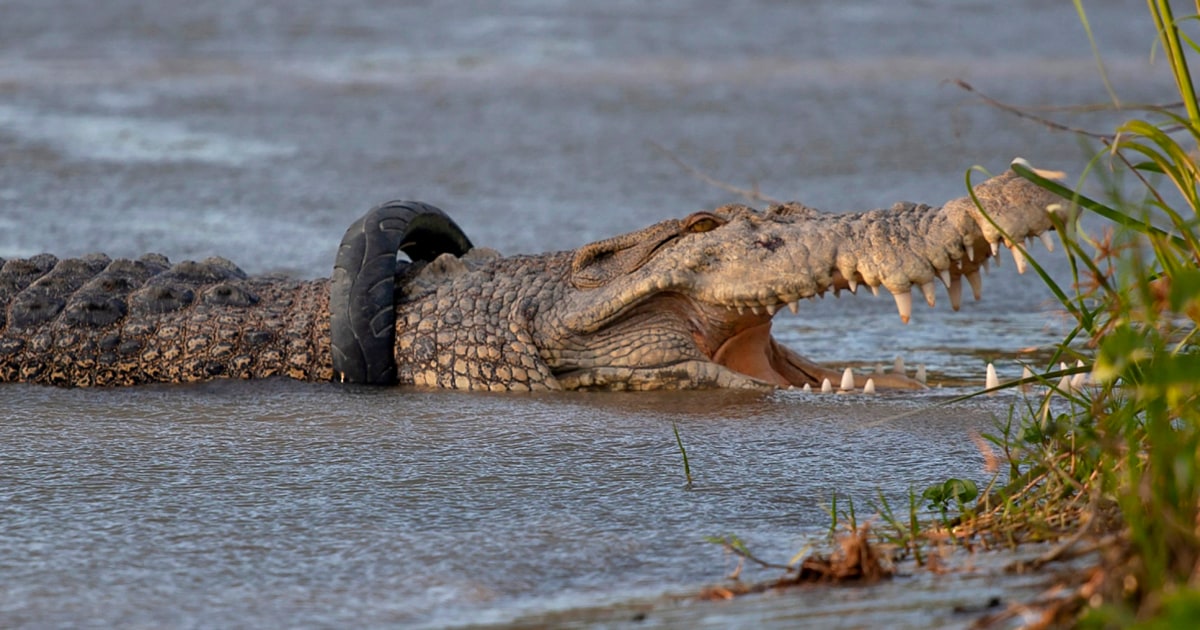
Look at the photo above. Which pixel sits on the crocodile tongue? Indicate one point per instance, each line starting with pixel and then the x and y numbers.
pixel 754 352
pixel 748 352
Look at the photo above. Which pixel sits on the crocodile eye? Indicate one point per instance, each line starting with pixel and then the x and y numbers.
pixel 702 222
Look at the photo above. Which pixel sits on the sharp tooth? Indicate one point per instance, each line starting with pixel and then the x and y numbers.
pixel 874 290
pixel 995 249
pixel 991 379
pixel 754 309
pixel 878 368
pixel 794 306
pixel 1064 383
pixel 930 295
pixel 1080 379
pixel 771 308
pixel 741 309
pixel 1026 373
pixel 1047 240
pixel 970 252
pixel 1019 259
pixel 904 305
pixel 955 291
pixel 826 386
pixel 869 387
pixel 898 365
pixel 986 265
pixel 853 284
pixel 807 389
pixel 944 274
pixel 921 376
pixel 848 380
pixel 976 282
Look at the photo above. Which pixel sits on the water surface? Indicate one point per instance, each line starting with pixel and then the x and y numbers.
pixel 259 130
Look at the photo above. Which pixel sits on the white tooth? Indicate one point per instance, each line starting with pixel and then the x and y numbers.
pixel 754 309
pixel 955 291
pixel 930 296
pixel 922 378
pixel 869 387
pixel 904 305
pixel 991 379
pixel 853 284
pixel 995 249
pixel 1064 383
pixel 741 309
pixel 874 290
pixel 807 389
pixel 794 306
pixel 1026 373
pixel 898 365
pixel 1062 366
pixel 826 386
pixel 944 274
pixel 1019 259
pixel 970 252
pixel 1080 379
pixel 878 368
pixel 771 309
pixel 976 282
pixel 847 380
pixel 1047 240
pixel 791 387
pixel 986 265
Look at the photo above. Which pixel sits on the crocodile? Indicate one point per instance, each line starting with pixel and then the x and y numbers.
pixel 684 303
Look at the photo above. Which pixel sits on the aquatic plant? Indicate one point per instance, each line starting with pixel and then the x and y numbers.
pixel 1107 459
pixel 687 469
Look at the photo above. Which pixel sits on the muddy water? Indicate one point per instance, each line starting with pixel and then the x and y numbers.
pixel 259 130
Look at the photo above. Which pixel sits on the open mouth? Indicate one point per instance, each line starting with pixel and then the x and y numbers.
pixel 743 343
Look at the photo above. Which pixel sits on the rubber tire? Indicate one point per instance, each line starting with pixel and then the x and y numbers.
pixel 362 290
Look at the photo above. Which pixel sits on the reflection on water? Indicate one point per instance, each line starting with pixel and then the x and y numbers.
pixel 284 500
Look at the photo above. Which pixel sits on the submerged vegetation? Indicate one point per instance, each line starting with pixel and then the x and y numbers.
pixel 1105 459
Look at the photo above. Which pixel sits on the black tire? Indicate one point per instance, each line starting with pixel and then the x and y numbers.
pixel 362 290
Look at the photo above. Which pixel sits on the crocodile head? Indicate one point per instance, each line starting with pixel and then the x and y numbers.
pixel 689 302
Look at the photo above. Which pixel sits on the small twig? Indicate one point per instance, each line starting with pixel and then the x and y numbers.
pixel 1024 113
pixel 752 195
pixel 745 554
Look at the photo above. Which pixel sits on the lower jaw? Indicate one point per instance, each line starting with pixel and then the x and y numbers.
pixel 755 353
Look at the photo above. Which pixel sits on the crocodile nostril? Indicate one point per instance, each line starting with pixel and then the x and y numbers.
pixel 770 243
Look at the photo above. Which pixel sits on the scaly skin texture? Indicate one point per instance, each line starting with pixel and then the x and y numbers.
pixel 686 303
pixel 95 321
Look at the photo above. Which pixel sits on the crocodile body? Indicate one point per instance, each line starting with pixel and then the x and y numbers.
pixel 94 321
pixel 683 303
